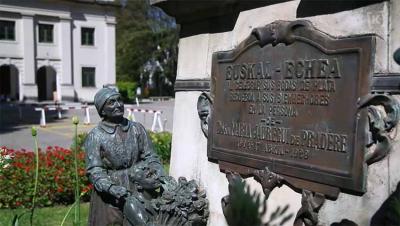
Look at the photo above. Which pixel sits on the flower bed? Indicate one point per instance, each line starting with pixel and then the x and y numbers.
pixel 56 177
pixel 56 173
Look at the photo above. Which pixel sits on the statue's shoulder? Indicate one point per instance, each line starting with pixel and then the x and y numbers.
pixel 96 129
pixel 133 124
pixel 95 132
pixel 136 126
pixel 93 138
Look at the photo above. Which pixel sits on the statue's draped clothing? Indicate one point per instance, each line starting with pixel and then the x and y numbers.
pixel 111 149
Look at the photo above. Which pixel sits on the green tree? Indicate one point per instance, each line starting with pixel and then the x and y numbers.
pixel 145 35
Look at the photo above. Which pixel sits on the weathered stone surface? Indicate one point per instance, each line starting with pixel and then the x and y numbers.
pixel 250 19
pixel 192 58
pixel 189 153
pixel 356 208
pixel 186 146
pixel 394 34
pixel 357 22
pixel 353 22
pixel 218 42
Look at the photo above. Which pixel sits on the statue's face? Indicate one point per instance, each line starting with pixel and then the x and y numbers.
pixel 204 108
pixel 113 108
pixel 147 178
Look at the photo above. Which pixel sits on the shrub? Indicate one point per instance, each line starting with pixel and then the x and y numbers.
pixel 127 90
pixel 161 142
pixel 56 177
pixel 162 145
pixel 56 173
pixel 81 139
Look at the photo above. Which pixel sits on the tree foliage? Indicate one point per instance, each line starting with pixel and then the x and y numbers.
pixel 145 35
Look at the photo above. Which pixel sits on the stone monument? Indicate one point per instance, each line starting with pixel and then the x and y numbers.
pixel 277 112
pixel 358 172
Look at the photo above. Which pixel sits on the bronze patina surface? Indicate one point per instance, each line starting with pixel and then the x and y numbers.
pixel 130 185
pixel 287 98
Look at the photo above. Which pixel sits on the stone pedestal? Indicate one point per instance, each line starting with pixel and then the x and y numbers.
pixel 189 146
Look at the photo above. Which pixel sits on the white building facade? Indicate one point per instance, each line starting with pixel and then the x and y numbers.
pixel 56 50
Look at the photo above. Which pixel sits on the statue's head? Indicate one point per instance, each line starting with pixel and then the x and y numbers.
pixel 145 176
pixel 109 104
pixel 396 56
pixel 204 109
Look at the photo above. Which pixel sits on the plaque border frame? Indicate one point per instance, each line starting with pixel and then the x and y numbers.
pixel 288 32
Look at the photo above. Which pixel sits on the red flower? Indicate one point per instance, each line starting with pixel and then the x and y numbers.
pixel 49 162
pixel 87 188
pixel 18 165
pixel 27 169
pixel 56 172
pixel 81 172
pixel 81 155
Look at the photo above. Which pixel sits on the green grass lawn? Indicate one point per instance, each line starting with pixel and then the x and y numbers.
pixel 49 216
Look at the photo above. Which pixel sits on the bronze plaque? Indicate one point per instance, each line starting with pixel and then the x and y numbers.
pixel 287 98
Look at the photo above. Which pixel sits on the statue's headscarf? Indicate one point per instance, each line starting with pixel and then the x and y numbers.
pixel 102 96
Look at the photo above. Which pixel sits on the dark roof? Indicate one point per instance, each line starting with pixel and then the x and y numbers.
pixel 98 2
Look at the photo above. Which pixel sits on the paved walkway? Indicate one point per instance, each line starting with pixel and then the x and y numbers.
pixel 16 122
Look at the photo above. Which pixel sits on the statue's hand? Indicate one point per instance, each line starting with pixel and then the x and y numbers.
pixel 118 191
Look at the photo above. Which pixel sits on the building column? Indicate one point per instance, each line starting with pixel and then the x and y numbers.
pixel 21 82
pixel 110 51
pixel 28 40
pixel 65 40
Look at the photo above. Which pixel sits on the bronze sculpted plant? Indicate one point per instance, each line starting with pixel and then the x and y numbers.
pixel 164 201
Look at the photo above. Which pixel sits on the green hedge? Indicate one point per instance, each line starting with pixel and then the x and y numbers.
pixel 162 145
pixel 127 90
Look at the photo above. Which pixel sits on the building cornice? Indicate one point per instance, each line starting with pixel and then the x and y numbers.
pixel 111 20
pixel 30 12
pixel 63 11
pixel 113 3
pixel 11 57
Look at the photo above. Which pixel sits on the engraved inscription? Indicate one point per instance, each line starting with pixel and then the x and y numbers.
pixel 287 98
pixel 276 92
pixel 318 141
pixel 313 68
pixel 299 68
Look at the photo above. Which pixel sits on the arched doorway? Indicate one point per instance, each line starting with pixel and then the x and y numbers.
pixel 9 83
pixel 46 81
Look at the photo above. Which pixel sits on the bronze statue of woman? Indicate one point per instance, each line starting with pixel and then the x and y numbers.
pixel 112 147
